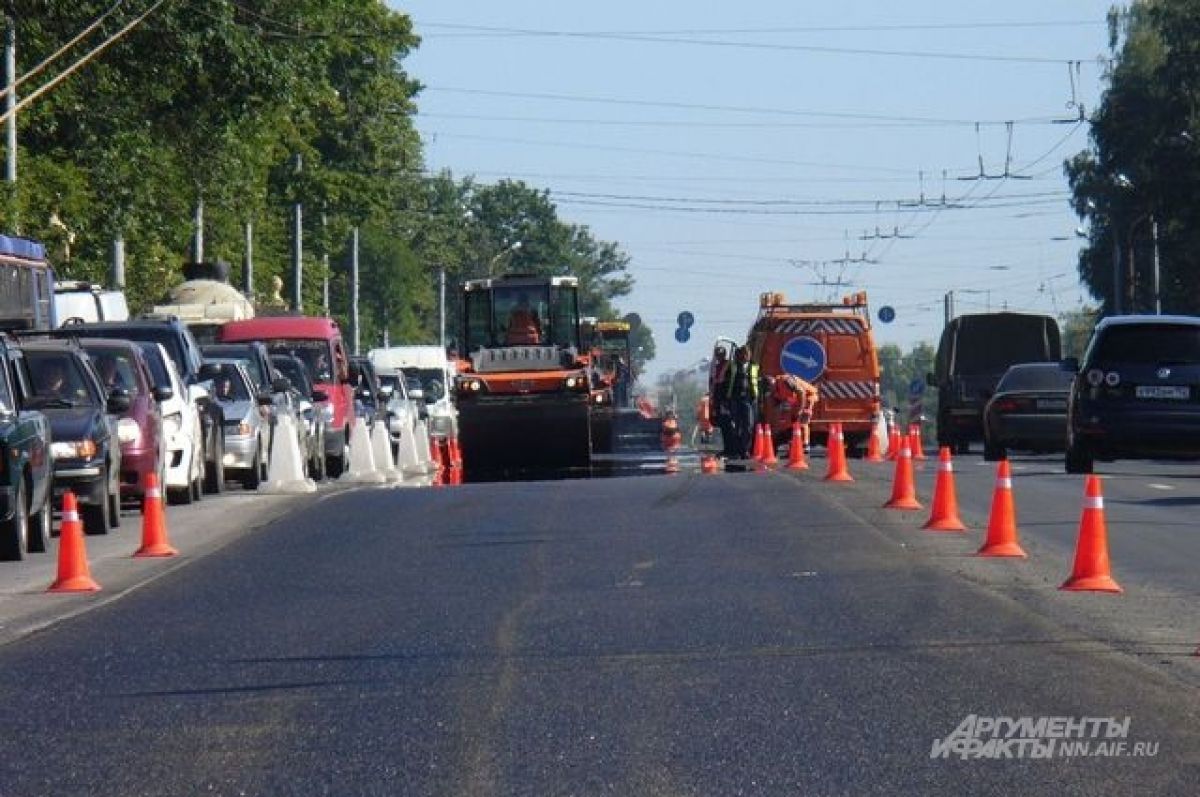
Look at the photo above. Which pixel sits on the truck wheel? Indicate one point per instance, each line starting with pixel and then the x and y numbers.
pixel 42 525
pixel 214 472
pixel 992 452
pixel 95 517
pixel 1078 460
pixel 253 477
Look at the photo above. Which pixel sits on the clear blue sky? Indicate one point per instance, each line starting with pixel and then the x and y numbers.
pixel 733 149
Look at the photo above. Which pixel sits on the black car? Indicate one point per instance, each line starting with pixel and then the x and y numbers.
pixel 370 402
pixel 86 450
pixel 26 481
pixel 177 339
pixel 1136 393
pixel 1028 411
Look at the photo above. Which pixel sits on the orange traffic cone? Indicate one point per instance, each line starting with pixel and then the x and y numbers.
pixel 1092 572
pixel 757 453
pixel 873 454
pixel 796 458
pixel 945 501
pixel 904 489
pixel 836 471
pixel 915 443
pixel 74 575
pixel 672 466
pixel 894 443
pixel 435 454
pixel 1002 522
pixel 769 459
pixel 454 457
pixel 154 522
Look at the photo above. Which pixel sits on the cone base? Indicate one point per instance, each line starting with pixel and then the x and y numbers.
pixel 1091 584
pixel 874 459
pixel 75 584
pixel 945 524
pixel 1008 549
pixel 798 466
pixel 902 503
pixel 839 477
pixel 157 550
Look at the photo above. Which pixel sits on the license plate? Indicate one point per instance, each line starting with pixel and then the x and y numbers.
pixel 1051 404
pixel 1175 392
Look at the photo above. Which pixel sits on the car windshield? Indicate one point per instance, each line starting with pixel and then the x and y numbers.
pixel 315 354
pixel 294 371
pixel 144 334
pixel 1048 376
pixel 429 380
pixel 245 355
pixel 117 369
pixel 156 364
pixel 393 381
pixel 1149 344
pixel 229 386
pixel 58 378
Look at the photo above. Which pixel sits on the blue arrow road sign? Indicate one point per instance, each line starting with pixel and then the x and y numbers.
pixel 887 314
pixel 686 319
pixel 682 335
pixel 803 357
pixel 916 387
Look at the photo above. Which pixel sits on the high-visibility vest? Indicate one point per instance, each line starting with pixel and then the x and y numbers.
pixel 743 381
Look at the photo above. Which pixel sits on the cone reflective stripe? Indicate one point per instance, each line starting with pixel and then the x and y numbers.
pixel 915 443
pixel 1092 572
pixel 836 471
pixel 1002 522
pixel 74 575
pixel 796 458
pixel 154 522
pixel 944 516
pixel 769 457
pixel 873 454
pixel 904 490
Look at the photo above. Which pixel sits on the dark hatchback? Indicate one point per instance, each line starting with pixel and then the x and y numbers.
pixel 86 452
pixel 26 473
pixel 1028 411
pixel 1136 393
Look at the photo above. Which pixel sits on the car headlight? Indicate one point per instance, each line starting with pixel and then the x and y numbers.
pixel 173 423
pixel 128 431
pixel 1095 377
pixel 243 429
pixel 1112 379
pixel 73 449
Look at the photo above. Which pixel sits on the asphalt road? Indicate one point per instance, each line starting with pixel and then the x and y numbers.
pixel 664 635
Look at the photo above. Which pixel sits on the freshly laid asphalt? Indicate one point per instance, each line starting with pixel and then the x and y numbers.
pixel 663 635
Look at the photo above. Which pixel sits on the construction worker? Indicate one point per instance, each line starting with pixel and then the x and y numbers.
pixel 719 407
pixel 742 394
pixel 796 399
pixel 524 327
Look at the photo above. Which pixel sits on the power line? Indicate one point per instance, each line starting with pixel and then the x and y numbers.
pixel 670 123
pixel 780 202
pixel 723 43
pixel 827 28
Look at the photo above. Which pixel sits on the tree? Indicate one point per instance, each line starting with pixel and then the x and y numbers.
pixel 1143 163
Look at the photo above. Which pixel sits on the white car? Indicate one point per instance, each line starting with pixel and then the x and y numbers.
pixel 181 428
pixel 433 369
pixel 403 412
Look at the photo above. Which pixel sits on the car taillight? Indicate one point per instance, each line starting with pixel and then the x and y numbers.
pixel 1011 404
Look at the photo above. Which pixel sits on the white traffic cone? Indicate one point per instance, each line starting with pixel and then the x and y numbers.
pixel 381 450
pixel 362 461
pixel 424 455
pixel 406 455
pixel 285 470
pixel 881 434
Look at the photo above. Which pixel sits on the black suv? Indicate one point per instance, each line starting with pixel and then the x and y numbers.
pixel 27 479
pixel 86 451
pixel 370 403
pixel 177 339
pixel 1136 394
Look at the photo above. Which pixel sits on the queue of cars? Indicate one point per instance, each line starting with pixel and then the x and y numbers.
pixel 94 407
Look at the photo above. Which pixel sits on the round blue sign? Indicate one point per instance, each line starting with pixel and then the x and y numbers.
pixel 916 387
pixel 686 319
pixel 803 357
pixel 682 335
pixel 887 314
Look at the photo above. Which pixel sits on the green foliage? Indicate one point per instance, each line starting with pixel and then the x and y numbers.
pixel 1076 329
pixel 1147 130
pixel 898 370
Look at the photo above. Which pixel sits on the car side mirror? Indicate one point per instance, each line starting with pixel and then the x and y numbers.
pixel 1070 365
pixel 119 401
pixel 281 384
pixel 320 395
pixel 163 393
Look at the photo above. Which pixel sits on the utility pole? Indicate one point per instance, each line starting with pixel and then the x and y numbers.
pixel 949 302
pixel 118 262
pixel 10 103
pixel 248 261
pixel 1157 267
pixel 324 264
pixel 442 306
pixel 298 247
pixel 355 327
pixel 1116 265
pixel 198 237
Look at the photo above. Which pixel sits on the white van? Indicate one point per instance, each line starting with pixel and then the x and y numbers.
pixel 431 377
pixel 76 301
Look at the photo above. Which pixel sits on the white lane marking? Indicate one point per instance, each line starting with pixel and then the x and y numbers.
pixel 1155 486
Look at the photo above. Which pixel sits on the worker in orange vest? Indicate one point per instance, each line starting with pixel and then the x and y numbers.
pixel 524 326
pixel 796 400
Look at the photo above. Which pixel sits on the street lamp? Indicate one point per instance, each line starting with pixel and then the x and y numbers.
pixel 512 248
pixel 1123 181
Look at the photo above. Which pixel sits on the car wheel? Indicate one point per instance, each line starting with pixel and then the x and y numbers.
pixel 96 517
pixel 214 472
pixel 993 452
pixel 1078 460
pixel 14 533
pixel 42 525
pixel 180 495
pixel 253 477
pixel 334 465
